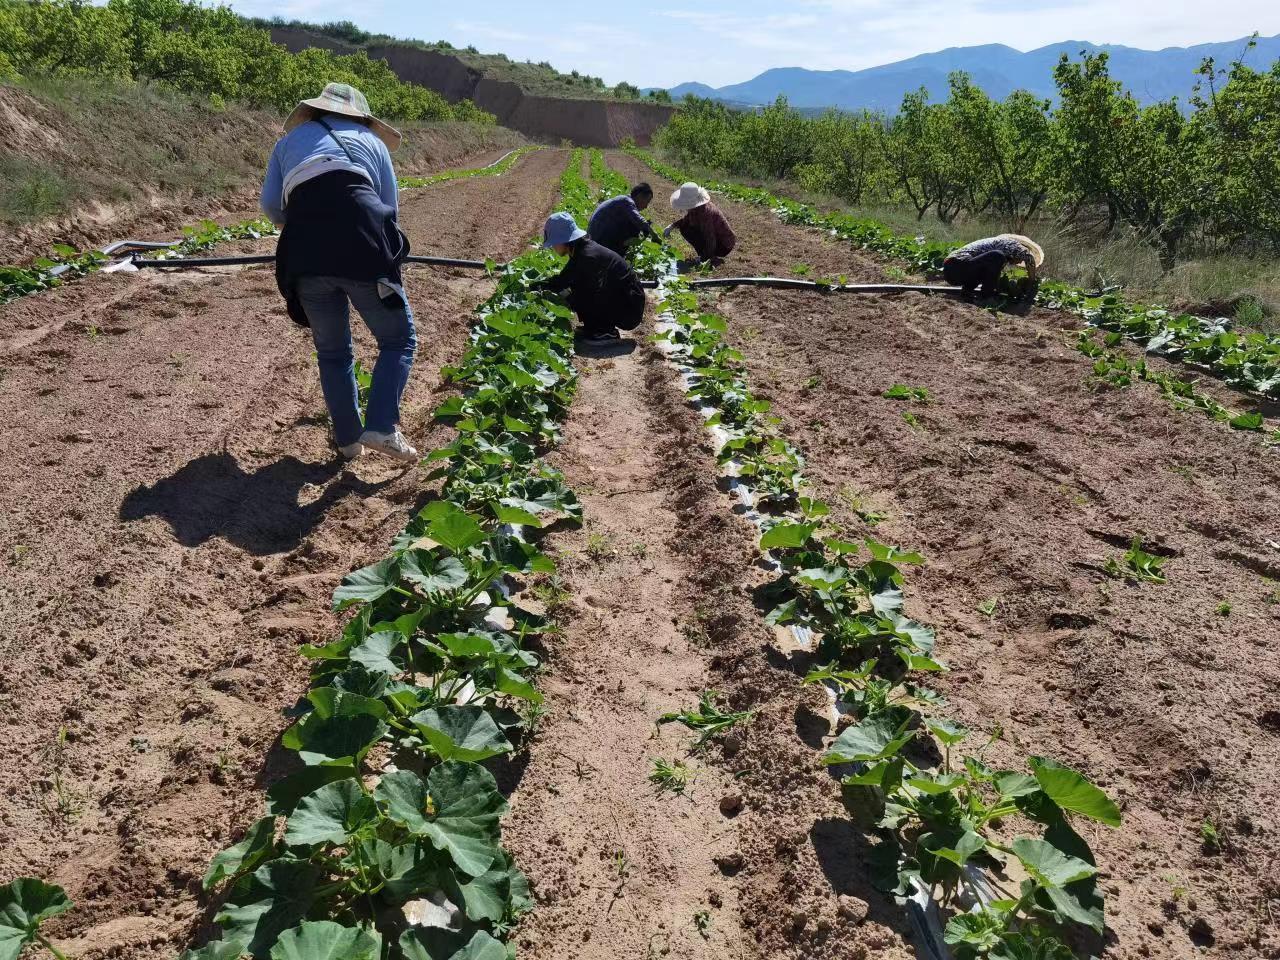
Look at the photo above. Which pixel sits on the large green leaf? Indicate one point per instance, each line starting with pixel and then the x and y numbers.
pixel 374 654
pixel 339 731
pixel 1049 865
pixel 367 584
pixel 486 897
pixel 433 943
pixel 325 940
pixel 432 573
pixel 461 733
pixel 258 844
pixel 267 902
pixel 876 738
pixel 1072 792
pixel 24 905
pixel 283 796
pixel 457 808
pixel 1073 907
pixel 788 536
pixel 330 815
pixel 455 530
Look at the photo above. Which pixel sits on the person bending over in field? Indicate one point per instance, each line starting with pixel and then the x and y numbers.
pixel 980 264
pixel 703 226
pixel 597 284
pixel 331 186
pixel 617 222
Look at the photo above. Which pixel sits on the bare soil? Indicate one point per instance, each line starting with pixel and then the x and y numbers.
pixel 1018 484
pixel 175 523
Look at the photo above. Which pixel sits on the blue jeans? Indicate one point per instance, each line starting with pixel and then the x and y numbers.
pixel 327 302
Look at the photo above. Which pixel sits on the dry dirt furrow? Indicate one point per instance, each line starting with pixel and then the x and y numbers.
pixel 1018 483
pixel 173 532
pixel 659 579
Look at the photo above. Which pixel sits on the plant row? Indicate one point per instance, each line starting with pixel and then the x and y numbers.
pixel 67 263
pixel 1112 368
pixel 494 170
pixel 385 842
pixel 945 819
pixel 1247 361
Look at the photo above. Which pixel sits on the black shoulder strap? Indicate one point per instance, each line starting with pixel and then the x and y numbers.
pixel 325 123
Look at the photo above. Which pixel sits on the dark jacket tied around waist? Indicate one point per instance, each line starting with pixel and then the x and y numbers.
pixel 338 226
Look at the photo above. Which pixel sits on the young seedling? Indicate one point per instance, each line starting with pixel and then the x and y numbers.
pixel 802 269
pixel 860 504
pixel 675 777
pixel 1210 837
pixel 364 382
pixel 912 420
pixel 702 922
pixel 1137 564
pixel 988 607
pixel 550 592
pixel 1223 609
pixel 599 546
pixel 709 720
pixel 900 391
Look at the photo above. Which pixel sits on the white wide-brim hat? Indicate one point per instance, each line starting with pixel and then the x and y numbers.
pixel 1036 251
pixel 345 101
pixel 690 196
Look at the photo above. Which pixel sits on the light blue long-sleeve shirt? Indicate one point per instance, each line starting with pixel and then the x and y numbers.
pixel 310 142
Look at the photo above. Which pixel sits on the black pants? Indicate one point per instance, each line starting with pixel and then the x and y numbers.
pixel 607 314
pixel 980 272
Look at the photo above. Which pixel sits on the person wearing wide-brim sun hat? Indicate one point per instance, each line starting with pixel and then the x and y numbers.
pixel 978 265
pixel 331 186
pixel 703 225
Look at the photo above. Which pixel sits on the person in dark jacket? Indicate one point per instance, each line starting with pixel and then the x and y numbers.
pixel 330 184
pixel 617 222
pixel 703 226
pixel 598 284
pixel 978 265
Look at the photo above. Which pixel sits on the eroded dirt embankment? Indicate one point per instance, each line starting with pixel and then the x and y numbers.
pixel 174 525
pixel 1019 483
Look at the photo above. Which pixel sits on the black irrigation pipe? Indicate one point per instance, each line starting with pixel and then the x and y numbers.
pixel 192 262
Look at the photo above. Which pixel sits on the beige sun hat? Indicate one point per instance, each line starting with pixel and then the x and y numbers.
pixel 1037 252
pixel 690 196
pixel 345 101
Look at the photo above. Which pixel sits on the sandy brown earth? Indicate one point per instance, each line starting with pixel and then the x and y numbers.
pixel 174 525
pixel 1018 484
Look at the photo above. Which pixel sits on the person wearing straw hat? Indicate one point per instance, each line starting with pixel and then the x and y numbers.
pixel 703 226
pixel 599 286
pixel 331 186
pixel 978 266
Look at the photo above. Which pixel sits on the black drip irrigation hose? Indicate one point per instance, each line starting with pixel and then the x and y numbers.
pixel 193 262
pixel 777 283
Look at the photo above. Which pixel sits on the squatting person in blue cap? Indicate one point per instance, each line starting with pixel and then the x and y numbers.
pixel 617 222
pixel 598 284
pixel 331 186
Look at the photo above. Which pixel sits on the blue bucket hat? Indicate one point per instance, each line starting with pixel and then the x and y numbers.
pixel 561 228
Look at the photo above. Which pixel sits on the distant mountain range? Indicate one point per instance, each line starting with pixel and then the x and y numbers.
pixel 1150 75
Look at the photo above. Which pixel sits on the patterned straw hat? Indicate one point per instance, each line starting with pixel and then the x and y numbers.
pixel 345 101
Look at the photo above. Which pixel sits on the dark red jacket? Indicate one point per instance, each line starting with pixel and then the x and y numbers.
pixel 707 231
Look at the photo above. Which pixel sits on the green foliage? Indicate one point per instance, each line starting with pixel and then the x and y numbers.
pixel 1205 173
pixel 25 904
pixel 708 719
pixel 495 170
pixel 1137 564
pixel 208 51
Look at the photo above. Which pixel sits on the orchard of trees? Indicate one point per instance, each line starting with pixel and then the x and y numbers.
pixel 1204 176
pixel 207 51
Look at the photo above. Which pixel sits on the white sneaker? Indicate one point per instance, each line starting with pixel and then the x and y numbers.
pixel 391 444
pixel 351 451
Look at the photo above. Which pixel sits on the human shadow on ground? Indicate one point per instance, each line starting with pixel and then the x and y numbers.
pixel 213 496
pixel 619 348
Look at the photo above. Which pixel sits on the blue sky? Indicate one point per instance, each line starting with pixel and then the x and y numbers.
pixel 660 43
